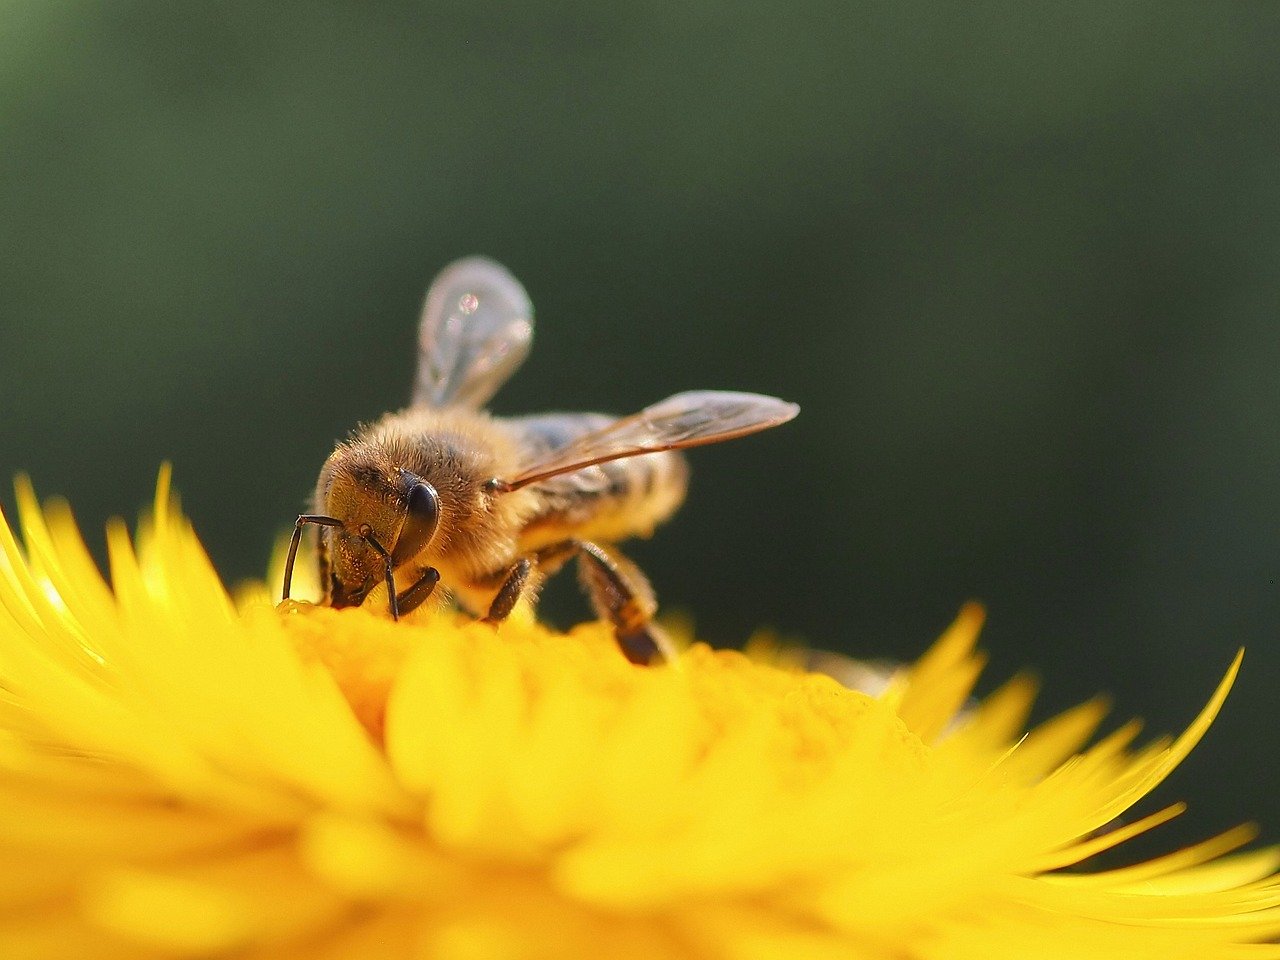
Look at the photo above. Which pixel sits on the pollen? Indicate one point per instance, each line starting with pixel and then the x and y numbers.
pixel 187 773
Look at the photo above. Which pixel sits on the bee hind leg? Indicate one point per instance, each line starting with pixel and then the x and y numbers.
pixel 622 594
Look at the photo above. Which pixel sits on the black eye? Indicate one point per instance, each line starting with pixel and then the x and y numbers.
pixel 424 504
pixel 421 519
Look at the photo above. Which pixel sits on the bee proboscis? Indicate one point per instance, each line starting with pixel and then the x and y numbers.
pixel 444 494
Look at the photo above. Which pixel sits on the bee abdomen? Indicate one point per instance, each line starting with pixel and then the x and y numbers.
pixel 608 502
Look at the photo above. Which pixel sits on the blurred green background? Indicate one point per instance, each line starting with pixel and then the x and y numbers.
pixel 1020 265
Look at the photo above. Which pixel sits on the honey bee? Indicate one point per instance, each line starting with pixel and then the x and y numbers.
pixel 444 493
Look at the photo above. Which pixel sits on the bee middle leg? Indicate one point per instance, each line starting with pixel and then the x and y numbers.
pixel 618 591
pixel 514 581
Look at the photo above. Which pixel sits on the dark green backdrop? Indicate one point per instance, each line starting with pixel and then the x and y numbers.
pixel 1019 264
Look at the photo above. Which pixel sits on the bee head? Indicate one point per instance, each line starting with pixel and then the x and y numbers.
pixel 385 515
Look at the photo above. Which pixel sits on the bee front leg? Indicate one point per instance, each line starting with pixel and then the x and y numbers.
pixel 620 592
pixel 415 596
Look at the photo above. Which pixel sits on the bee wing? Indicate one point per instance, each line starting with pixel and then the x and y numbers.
pixel 476 328
pixel 684 420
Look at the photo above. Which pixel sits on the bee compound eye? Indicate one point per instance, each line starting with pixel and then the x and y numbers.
pixel 424 504
pixel 421 519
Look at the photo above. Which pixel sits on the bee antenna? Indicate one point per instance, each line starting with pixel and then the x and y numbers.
pixel 303 520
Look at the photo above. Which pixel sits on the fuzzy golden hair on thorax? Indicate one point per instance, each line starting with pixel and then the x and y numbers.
pixel 457 453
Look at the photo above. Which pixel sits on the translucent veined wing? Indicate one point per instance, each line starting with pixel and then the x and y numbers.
pixel 477 325
pixel 684 420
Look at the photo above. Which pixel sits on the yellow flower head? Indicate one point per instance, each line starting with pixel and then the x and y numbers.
pixel 184 775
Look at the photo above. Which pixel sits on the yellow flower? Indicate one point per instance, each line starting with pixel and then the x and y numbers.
pixel 185 775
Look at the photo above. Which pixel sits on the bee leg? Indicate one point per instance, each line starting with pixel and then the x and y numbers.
pixel 516 579
pixel 551 559
pixel 620 592
pixel 415 596
pixel 513 581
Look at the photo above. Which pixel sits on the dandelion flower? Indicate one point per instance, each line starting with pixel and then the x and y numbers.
pixel 184 774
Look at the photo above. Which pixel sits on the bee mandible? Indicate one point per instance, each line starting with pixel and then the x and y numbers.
pixel 443 493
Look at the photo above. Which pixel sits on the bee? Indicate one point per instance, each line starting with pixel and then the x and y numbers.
pixel 442 493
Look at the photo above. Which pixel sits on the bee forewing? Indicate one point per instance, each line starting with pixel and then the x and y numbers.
pixel 476 329
pixel 685 420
